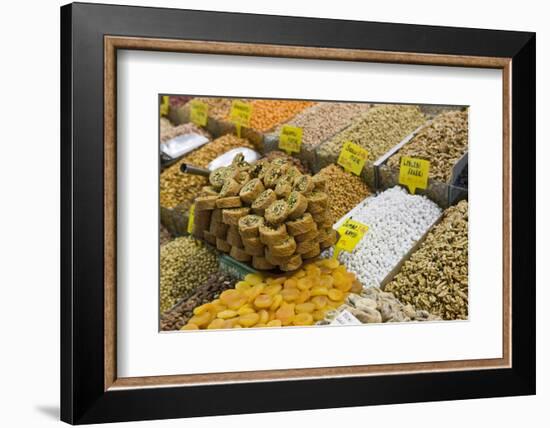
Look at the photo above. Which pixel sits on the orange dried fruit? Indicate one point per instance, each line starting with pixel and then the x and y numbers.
pixel 248 320
pixel 273 289
pixel 190 326
pixel 215 324
pixel 274 323
pixel 202 308
pixel 303 297
pixel 304 283
pixel 318 315
pixel 263 301
pixel 285 313
pixel 253 278
pixel 277 300
pixel 290 294
pixel 228 313
pixel 291 283
pixel 202 319
pixel 326 281
pixel 319 290
pixel 303 318
pixel 336 295
pixel 264 316
pixel 305 307
pixel 319 301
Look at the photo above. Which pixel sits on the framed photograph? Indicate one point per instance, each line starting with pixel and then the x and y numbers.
pixel 267 213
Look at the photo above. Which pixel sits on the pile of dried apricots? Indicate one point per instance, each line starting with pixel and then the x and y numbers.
pixel 299 299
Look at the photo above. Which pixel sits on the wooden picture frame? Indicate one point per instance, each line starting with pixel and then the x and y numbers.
pixel 91 392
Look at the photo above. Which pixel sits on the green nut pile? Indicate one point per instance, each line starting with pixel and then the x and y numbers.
pixel 185 263
pixel 178 316
pixel 345 190
pixel 377 131
pixel 443 143
pixel 435 278
pixel 177 187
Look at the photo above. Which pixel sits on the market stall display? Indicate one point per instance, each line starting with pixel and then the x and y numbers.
pixel 298 299
pixel 277 215
pixel 376 306
pixel 435 278
pixel 396 222
pixel 185 263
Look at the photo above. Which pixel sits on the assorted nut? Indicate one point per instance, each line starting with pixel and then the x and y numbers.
pixel 344 189
pixel 178 316
pixel 377 131
pixel 185 264
pixel 177 187
pixel 299 299
pixel 443 143
pixel 435 278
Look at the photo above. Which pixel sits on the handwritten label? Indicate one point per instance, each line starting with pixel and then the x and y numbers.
pixel 290 139
pixel 414 173
pixel 164 105
pixel 199 113
pixel 352 157
pixel 240 114
pixel 351 233
pixel 191 221
pixel 345 318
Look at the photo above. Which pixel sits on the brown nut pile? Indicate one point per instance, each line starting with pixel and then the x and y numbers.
pixel 377 131
pixel 175 131
pixel 266 114
pixel 178 316
pixel 271 156
pixel 177 187
pixel 266 213
pixel 377 306
pixel 443 143
pixel 344 189
pixel 435 278
pixel 324 120
pixel 185 263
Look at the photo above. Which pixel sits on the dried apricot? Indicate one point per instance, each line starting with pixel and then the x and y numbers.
pixel 290 294
pixel 274 323
pixel 277 300
pixel 190 326
pixel 264 316
pixel 263 301
pixel 320 301
pixel 303 319
pixel 291 283
pixel 305 307
pixel 335 295
pixel 228 313
pixel 303 297
pixel 273 289
pixel 202 319
pixel 245 309
pixel 253 279
pixel 248 320
pixel 285 313
pixel 215 324
pixel 319 290
pixel 326 281
pixel 304 283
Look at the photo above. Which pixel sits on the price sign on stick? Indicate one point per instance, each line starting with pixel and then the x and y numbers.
pixel 199 113
pixel 352 157
pixel 351 233
pixel 191 221
pixel 240 114
pixel 290 139
pixel 414 173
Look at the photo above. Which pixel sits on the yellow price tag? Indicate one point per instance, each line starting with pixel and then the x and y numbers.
pixel 240 114
pixel 351 233
pixel 352 157
pixel 290 139
pixel 191 221
pixel 199 113
pixel 414 173
pixel 164 105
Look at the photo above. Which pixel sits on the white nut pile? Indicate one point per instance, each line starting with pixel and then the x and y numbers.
pixel 396 220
